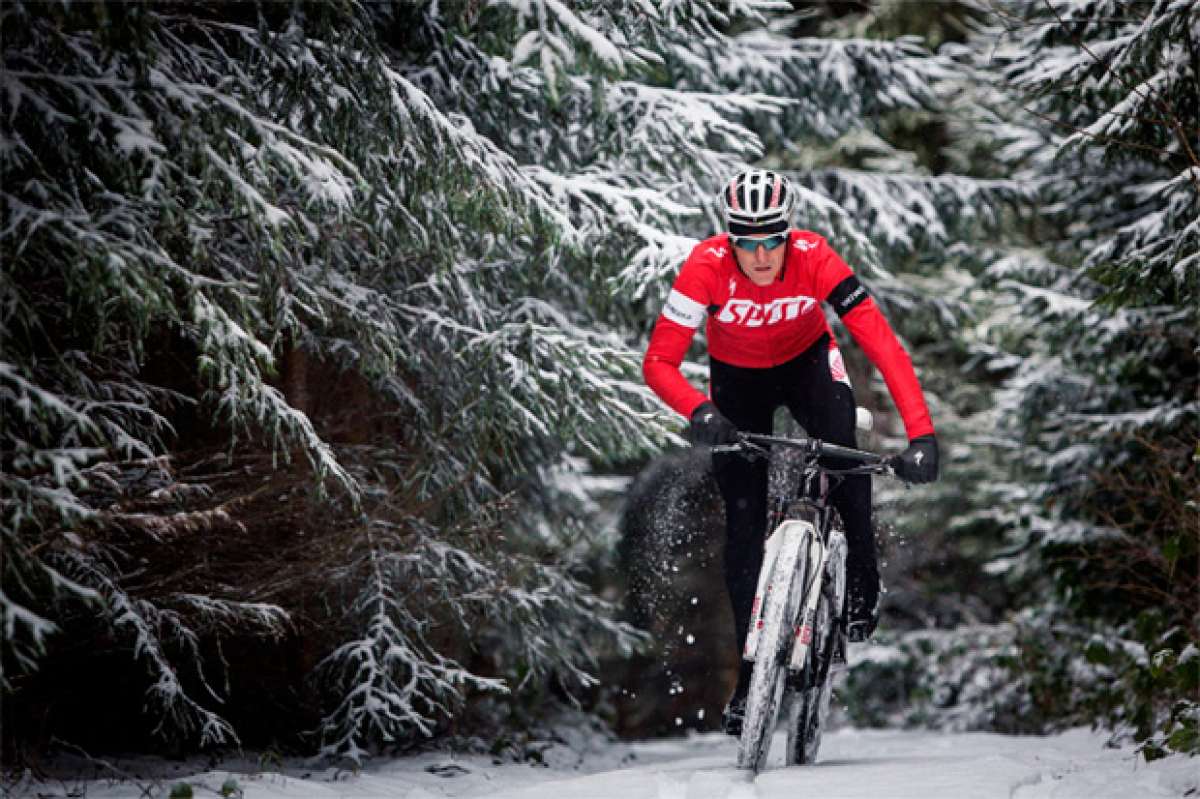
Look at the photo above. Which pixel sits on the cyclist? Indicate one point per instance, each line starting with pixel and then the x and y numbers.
pixel 758 289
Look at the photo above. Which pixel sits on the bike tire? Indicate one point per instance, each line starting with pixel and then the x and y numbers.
pixel 765 696
pixel 808 706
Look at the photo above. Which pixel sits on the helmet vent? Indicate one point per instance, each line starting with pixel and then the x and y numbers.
pixel 757 202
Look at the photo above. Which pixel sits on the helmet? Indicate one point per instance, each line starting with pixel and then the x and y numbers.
pixel 757 202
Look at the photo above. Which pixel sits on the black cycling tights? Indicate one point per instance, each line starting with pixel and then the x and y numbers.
pixel 825 409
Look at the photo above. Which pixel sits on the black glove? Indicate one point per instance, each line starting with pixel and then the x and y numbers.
pixel 918 463
pixel 710 427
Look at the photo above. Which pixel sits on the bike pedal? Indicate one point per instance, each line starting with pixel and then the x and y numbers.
pixel 804 680
pixel 838 656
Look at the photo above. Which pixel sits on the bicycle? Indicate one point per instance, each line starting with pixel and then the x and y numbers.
pixel 797 621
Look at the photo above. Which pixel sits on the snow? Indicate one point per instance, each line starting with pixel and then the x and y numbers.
pixel 600 45
pixel 871 764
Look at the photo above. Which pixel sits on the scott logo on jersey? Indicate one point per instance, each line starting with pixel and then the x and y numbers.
pixel 749 313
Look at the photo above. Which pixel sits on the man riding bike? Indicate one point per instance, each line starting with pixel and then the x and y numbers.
pixel 758 287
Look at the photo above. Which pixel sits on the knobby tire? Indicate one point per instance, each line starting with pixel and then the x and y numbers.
pixel 766 687
pixel 809 705
pixel 765 694
pixel 767 680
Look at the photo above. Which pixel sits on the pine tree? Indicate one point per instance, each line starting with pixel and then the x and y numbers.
pixel 268 197
pixel 1097 331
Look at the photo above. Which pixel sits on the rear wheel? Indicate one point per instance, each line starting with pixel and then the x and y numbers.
pixel 809 700
pixel 809 696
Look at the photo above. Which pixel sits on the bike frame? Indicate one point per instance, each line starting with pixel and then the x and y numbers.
pixel 796 559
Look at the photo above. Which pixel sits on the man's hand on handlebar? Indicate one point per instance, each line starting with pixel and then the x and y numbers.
pixel 918 463
pixel 709 426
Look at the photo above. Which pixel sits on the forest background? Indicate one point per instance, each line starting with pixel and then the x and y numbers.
pixel 320 368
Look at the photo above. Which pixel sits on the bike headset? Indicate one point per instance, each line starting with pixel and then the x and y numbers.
pixel 748 447
pixel 757 202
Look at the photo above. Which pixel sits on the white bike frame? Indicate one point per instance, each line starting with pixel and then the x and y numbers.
pixel 787 620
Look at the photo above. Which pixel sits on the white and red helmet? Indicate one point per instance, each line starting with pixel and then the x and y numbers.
pixel 757 202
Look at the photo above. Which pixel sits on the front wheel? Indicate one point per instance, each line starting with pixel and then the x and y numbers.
pixel 766 690
pixel 780 605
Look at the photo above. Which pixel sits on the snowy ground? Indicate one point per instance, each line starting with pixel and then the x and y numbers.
pixel 874 764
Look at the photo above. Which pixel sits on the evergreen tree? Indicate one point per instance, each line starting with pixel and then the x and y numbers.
pixel 227 229
pixel 1098 332
pixel 1078 333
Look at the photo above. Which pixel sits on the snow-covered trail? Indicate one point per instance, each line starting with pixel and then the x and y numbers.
pixel 872 764
pixel 886 765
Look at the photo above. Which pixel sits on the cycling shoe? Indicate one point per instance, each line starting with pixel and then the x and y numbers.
pixel 735 714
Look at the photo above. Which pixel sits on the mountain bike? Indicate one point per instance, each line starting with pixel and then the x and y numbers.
pixel 798 619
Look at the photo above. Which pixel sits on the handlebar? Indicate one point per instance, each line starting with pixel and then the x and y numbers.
pixel 757 444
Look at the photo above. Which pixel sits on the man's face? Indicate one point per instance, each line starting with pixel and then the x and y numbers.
pixel 760 264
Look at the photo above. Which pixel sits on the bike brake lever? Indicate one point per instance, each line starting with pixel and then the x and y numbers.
pixel 750 446
pixel 742 447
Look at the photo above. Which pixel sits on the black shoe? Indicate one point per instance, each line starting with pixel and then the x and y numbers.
pixel 735 713
pixel 862 611
pixel 857 632
pixel 862 622
pixel 838 655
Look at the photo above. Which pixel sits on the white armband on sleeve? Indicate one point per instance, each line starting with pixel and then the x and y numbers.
pixel 683 310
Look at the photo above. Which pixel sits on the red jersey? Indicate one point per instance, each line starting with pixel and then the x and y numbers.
pixel 762 326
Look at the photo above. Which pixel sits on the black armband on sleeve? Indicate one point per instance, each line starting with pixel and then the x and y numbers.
pixel 847 295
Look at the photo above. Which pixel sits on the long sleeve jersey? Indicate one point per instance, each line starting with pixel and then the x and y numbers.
pixel 759 327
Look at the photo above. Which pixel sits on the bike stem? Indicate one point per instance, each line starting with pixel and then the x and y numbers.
pixel 815 446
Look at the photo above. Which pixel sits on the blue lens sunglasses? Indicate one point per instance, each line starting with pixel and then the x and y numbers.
pixel 752 243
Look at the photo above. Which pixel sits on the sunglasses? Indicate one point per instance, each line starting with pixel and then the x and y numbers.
pixel 752 243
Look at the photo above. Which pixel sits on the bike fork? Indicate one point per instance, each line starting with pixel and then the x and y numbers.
pixel 784 549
